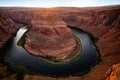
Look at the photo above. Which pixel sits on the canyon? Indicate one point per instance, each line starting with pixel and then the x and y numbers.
pixel 51 26
pixel 49 36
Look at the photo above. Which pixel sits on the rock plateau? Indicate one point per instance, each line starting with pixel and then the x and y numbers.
pixel 49 36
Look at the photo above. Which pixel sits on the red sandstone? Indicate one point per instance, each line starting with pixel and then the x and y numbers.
pixel 103 22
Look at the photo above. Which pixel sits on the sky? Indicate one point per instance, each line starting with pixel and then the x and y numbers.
pixel 57 3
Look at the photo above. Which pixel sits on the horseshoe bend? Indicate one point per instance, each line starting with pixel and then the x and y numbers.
pixel 49 37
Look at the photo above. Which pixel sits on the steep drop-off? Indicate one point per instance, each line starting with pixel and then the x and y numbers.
pixel 7 27
pixel 104 23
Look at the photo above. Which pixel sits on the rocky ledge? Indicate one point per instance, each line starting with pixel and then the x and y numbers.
pixel 49 37
pixel 113 73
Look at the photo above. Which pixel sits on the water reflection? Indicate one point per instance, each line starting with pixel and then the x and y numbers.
pixel 20 34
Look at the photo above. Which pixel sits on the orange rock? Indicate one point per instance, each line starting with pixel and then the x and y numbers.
pixel 49 36
pixel 113 73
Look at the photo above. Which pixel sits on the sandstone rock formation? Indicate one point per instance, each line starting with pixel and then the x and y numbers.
pixel 21 16
pixel 103 22
pixel 6 23
pixel 7 27
pixel 49 36
pixel 113 73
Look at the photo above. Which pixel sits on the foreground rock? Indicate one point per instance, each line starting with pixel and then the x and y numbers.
pixel 113 73
pixel 49 37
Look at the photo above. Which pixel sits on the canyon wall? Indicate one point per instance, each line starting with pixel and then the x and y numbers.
pixel 102 22
pixel 21 16
pixel 7 27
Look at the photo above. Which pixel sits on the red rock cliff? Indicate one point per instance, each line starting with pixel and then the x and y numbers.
pixel 104 23
pixel 113 73
pixel 7 27
pixel 49 36
pixel 21 16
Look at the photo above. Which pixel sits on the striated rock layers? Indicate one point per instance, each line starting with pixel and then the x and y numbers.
pixel 21 16
pixel 7 27
pixel 113 73
pixel 49 37
pixel 103 22
pixel 6 23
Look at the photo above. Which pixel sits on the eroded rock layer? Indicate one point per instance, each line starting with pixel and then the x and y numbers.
pixel 113 73
pixel 7 27
pixel 49 36
pixel 103 23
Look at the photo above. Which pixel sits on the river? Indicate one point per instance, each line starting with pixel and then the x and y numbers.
pixel 18 56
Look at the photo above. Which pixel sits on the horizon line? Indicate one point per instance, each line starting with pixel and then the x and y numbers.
pixel 62 6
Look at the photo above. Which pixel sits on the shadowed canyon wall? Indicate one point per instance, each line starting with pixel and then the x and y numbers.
pixel 7 27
